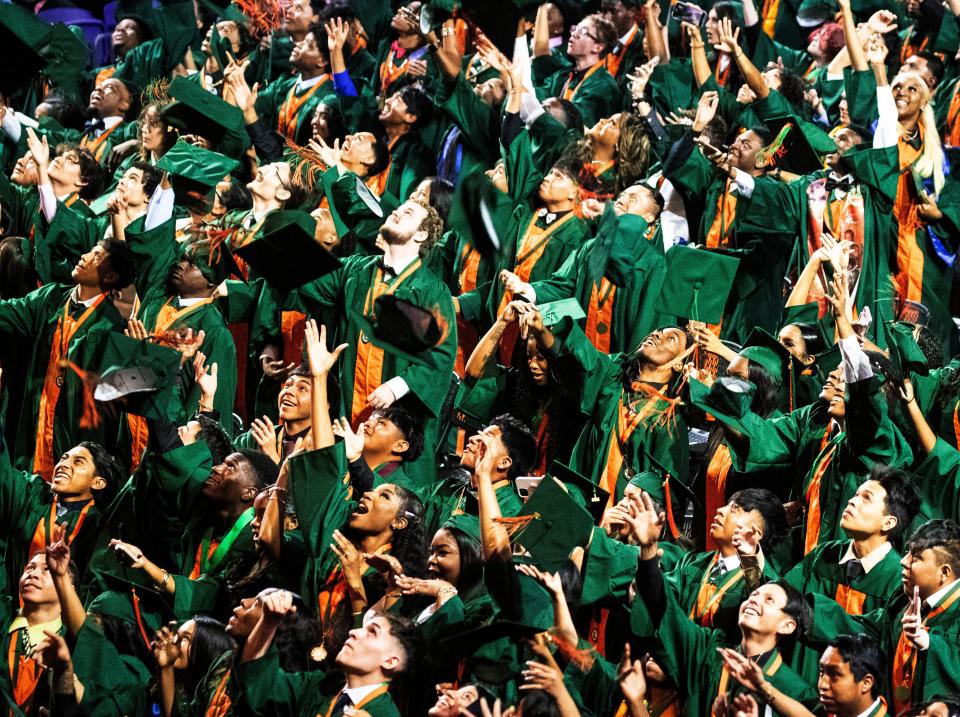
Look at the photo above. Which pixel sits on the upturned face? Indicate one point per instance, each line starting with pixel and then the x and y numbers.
pixel 378 511
pixel 866 512
pixel 663 346
pixel 36 583
pixel 444 560
pixel 763 613
pixel 293 400
pixel 75 474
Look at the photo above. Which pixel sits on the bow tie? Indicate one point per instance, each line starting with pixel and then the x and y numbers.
pixel 387 270
pixel 854 570
pixel 94 125
pixel 398 52
pixel 842 183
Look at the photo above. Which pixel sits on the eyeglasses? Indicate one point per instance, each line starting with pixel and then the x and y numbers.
pixel 578 31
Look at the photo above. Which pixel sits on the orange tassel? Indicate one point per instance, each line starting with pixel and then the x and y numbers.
pixel 582 659
pixel 265 15
pixel 139 617
pixel 309 165
pixel 668 508
pixel 516 523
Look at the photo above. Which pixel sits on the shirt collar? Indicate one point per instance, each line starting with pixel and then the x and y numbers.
pixel 358 694
pixel 34 632
pixel 730 562
pixel 399 266
pixel 934 599
pixel 189 302
pixel 870 560
pixel 876 702
pixel 111 122
pixel 628 35
pixel 303 84
pixel 75 297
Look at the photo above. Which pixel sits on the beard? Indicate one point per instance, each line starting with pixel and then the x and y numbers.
pixel 392 237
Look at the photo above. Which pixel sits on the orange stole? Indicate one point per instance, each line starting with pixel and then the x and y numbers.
pixel 718 469
pixel 287 119
pixel 139 435
pixel 198 561
pixel 953 119
pixel 292 324
pixel 532 246
pixel 627 422
pixel 368 370
pixel 905 657
pixel 41 534
pixel 812 527
pixel 220 703
pixel 710 595
pixel 909 279
pixel 850 600
pixel 569 92
pixel 718 235
pixel 613 60
pixel 600 315
pixel 67 326
pixel 24 673
pixel 769 15
pixel 96 146
pixel 382 690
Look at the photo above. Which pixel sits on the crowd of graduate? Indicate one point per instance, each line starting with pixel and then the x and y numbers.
pixel 451 357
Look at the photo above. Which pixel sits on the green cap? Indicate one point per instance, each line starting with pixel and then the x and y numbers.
pixel 553 312
pixel 763 348
pixel 792 149
pixel 558 524
pixel 23 36
pixel 816 12
pixel 435 12
pixel 67 55
pixel 141 372
pixel 905 353
pixel 728 400
pixel 402 328
pixel 582 489
pixel 697 284
pixel 216 266
pixel 196 111
pixel 470 641
pixel 464 522
pixel 481 213
pixel 618 243
pixel 286 252
pixel 651 482
pixel 196 164
pixel 116 600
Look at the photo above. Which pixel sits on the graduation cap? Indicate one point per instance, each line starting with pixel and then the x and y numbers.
pixel 728 400
pixel 434 13
pixel 67 55
pixel 195 169
pixel 481 213
pixel 652 483
pixel 816 12
pixel 552 524
pixel 464 522
pixel 470 641
pixel 498 20
pixel 763 348
pixel 553 312
pixel 697 284
pixel 583 490
pixel 126 598
pixel 196 111
pixel 905 353
pixel 791 149
pixel 287 253
pixel 402 328
pixel 140 372
pixel 23 35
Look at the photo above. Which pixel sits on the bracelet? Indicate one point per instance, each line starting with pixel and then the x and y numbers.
pixel 446 593
pixel 162 585
pixel 203 409
pixel 447 32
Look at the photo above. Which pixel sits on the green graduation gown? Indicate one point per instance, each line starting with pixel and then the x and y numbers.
pixel 282 108
pixel 593 91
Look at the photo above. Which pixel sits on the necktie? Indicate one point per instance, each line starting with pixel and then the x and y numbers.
pixel 718 570
pixel 854 570
pixel 343 700
pixel 925 609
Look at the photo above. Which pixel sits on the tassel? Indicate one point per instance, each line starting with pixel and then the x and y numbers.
pixel 668 509
pixel 157 91
pixel 583 659
pixel 517 523
pixel 139 617
pixel 309 165
pixel 651 414
pixel 90 417
pixel 265 15
pixel 775 149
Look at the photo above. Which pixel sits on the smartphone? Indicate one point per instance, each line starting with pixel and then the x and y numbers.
pixel 688 12
pixel 527 484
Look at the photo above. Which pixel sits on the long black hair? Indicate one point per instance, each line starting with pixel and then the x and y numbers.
pixel 471 560
pixel 209 642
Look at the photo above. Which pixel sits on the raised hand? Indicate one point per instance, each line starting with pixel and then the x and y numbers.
pixel 265 434
pixel 387 565
pixel 353 442
pixel 641 76
pixel 277 604
pixel 551 581
pixel 337 32
pixel 381 397
pixel 58 552
pixel 912 622
pixel 744 670
pixel 351 561
pixel 330 156
pixel 38 147
pixel 631 678
pixel 205 377
pixel 166 646
pixel 52 652
pixel 539 676
pixel 746 539
pixel 419 586
pixel 132 553
pixel 136 330
pixel 646 524
pixel 706 110
pixel 315 346
pixel 728 37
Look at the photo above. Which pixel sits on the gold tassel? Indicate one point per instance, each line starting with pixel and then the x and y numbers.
pixel 516 524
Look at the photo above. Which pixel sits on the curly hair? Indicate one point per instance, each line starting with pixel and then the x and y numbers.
pixel 432 224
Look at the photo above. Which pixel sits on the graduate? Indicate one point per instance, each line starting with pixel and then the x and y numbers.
pixel 64 323
pixel 377 654
pixel 628 52
pixel 917 628
pixel 39 615
pixel 382 444
pixel 772 615
pixel 109 103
